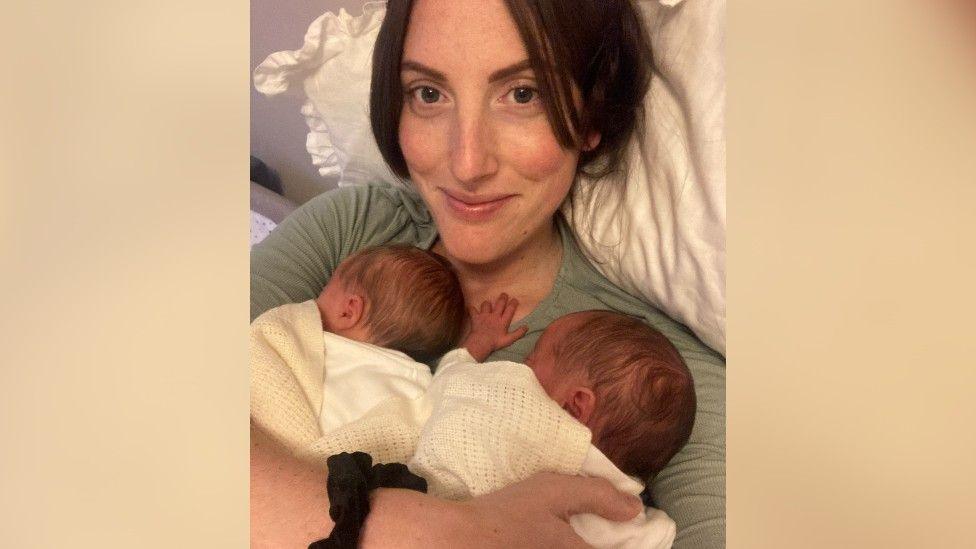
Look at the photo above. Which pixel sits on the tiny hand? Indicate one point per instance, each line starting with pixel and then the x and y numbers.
pixel 489 327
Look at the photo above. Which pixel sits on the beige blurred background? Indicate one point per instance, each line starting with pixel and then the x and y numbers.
pixel 123 218
pixel 852 216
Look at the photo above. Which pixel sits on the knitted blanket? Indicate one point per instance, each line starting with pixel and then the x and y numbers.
pixel 479 427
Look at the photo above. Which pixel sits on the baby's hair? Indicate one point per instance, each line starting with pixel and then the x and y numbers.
pixel 412 298
pixel 645 396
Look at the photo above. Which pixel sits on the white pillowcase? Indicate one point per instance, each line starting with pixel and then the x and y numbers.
pixel 657 230
pixel 334 69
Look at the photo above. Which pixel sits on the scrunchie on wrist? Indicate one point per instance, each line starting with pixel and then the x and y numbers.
pixel 351 478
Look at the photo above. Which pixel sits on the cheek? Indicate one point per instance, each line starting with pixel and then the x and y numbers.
pixel 536 155
pixel 420 144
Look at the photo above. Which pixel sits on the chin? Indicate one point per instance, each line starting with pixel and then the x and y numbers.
pixel 473 253
pixel 475 245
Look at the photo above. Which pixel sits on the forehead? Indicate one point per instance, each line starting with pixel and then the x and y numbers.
pixel 456 36
pixel 560 329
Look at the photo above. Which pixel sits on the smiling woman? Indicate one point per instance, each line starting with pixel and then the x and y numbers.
pixel 490 110
pixel 491 127
pixel 483 162
pixel 589 61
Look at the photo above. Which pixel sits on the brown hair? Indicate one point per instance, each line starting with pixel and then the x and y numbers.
pixel 645 396
pixel 412 297
pixel 598 47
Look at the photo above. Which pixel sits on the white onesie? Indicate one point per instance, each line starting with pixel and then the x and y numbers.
pixel 470 429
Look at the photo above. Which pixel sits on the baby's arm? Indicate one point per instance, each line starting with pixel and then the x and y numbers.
pixel 489 328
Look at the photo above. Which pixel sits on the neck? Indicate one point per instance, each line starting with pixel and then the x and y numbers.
pixel 526 273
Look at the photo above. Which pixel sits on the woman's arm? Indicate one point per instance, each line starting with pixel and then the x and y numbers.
pixel 532 513
pixel 290 508
pixel 289 502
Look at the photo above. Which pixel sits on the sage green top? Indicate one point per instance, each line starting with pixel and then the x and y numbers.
pixel 297 259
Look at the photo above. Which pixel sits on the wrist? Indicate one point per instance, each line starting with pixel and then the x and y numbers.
pixel 478 348
pixel 402 518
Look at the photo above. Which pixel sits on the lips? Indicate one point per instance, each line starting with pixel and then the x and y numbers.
pixel 476 208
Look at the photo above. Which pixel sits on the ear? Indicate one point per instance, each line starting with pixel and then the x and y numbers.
pixel 580 403
pixel 351 311
pixel 592 141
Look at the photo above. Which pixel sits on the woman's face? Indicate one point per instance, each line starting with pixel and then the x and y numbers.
pixel 474 131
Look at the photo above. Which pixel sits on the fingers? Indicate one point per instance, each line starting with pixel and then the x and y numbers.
pixel 597 496
pixel 485 307
pixel 500 302
pixel 508 313
pixel 512 337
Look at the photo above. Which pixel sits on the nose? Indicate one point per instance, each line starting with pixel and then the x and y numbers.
pixel 473 157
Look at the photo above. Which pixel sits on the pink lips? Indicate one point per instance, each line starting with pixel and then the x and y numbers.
pixel 475 208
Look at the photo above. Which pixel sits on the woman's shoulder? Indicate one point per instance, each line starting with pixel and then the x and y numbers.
pixel 296 260
pixel 368 203
pixel 367 215
pixel 581 287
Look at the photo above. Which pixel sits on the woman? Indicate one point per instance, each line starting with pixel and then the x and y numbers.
pixel 491 109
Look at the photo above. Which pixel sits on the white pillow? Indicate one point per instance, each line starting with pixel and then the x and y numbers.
pixel 657 231
pixel 334 67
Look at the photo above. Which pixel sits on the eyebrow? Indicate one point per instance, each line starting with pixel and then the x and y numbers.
pixel 509 71
pixel 423 69
pixel 435 74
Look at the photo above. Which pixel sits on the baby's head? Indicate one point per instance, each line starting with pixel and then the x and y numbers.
pixel 395 296
pixel 623 380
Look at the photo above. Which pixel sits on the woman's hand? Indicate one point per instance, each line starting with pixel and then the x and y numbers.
pixel 489 327
pixel 532 513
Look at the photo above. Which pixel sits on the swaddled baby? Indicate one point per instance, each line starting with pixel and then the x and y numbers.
pixel 471 428
pixel 361 341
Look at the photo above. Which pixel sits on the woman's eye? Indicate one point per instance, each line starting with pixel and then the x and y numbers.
pixel 523 94
pixel 427 94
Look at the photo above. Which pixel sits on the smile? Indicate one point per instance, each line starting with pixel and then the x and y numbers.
pixel 475 208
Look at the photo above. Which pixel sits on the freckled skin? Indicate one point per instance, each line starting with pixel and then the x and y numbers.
pixel 475 139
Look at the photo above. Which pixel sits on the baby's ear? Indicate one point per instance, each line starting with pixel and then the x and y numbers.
pixel 353 306
pixel 580 403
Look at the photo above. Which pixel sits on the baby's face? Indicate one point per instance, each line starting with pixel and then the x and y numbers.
pixel 330 303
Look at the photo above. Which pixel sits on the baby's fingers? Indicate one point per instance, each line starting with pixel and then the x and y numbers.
pixel 485 307
pixel 500 302
pixel 509 312
pixel 512 337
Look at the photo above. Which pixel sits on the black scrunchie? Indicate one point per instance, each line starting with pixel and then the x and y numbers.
pixel 351 478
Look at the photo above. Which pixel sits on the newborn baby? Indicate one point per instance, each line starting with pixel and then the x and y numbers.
pixel 471 428
pixel 601 394
pixel 614 374
pixel 384 311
